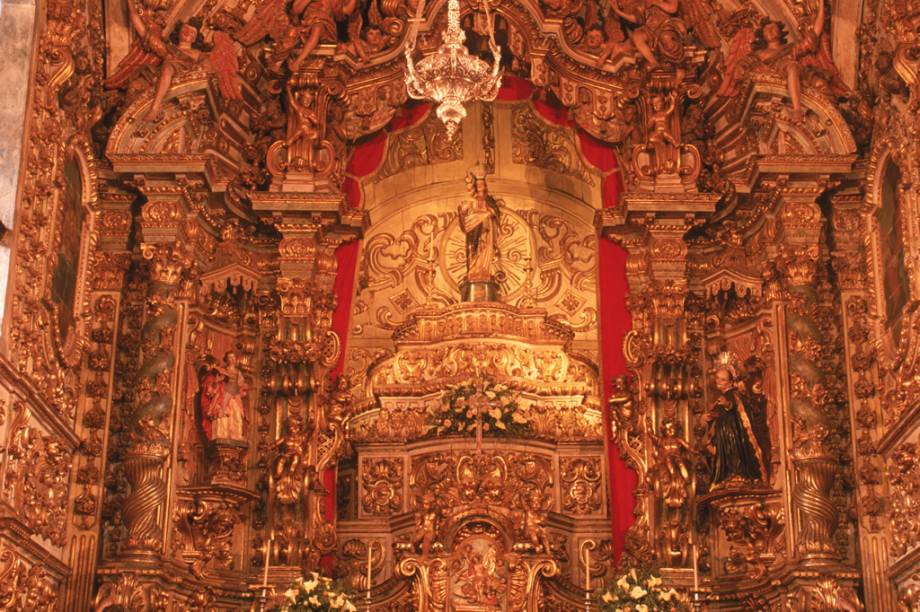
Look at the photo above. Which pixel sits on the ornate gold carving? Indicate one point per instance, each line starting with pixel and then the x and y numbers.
pixel 25 586
pixel 753 530
pixel 478 569
pixel 422 145
pixel 581 482
pixel 904 479
pixel 535 143
pixel 671 482
pixel 205 528
pixel 209 160
pixel 89 474
pixel 381 486
pixel 826 595
pixel 37 476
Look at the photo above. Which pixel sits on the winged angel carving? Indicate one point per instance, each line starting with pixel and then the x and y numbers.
pixel 767 50
pixel 655 30
pixel 310 22
pixel 183 50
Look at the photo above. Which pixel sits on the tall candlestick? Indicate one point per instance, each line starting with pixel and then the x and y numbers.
pixel 268 559
pixel 587 546
pixel 588 569
pixel 696 569
pixel 370 549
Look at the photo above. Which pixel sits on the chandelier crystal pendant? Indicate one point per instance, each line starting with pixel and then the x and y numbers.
pixel 451 76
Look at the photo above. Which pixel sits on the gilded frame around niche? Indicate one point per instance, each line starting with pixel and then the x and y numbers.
pixel 67 268
pixel 892 337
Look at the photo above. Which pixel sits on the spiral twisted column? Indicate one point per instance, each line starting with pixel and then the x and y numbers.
pixel 140 510
pixel 816 512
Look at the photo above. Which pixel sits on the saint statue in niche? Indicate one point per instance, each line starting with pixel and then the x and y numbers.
pixel 222 389
pixel 479 220
pixel 736 432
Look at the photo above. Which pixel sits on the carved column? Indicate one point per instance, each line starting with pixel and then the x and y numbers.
pixel 813 468
pixel 813 419
pixel 171 244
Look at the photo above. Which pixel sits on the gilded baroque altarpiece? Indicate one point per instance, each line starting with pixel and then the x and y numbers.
pixel 265 316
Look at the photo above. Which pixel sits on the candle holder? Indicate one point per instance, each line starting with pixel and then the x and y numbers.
pixel 263 597
pixel 696 599
pixel 261 594
pixel 265 586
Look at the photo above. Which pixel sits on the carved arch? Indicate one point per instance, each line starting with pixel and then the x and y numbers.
pixel 210 145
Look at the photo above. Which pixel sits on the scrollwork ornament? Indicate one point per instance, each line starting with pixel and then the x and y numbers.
pixel 25 586
pixel 581 479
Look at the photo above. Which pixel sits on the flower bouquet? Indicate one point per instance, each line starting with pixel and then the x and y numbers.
pixel 642 591
pixel 315 593
pixel 469 405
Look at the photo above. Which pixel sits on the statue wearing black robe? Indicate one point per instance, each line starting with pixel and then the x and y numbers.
pixel 735 449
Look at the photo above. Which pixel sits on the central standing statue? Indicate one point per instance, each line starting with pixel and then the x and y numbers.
pixel 479 219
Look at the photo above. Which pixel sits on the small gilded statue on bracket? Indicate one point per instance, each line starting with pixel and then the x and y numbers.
pixel 736 438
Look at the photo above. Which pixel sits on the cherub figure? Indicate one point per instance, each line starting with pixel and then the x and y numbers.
pixel 288 469
pixel 614 41
pixel 375 40
pixel 427 519
pixel 306 126
pixel 649 17
pixel 673 452
pixel 342 398
pixel 531 521
pixel 594 41
pixel 660 138
pixel 670 481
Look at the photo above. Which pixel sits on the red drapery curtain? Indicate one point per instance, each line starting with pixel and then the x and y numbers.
pixel 612 285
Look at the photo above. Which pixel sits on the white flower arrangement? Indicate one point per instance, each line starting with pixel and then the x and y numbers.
pixel 486 404
pixel 316 593
pixel 642 591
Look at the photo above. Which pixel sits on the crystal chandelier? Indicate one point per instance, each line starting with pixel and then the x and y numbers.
pixel 451 76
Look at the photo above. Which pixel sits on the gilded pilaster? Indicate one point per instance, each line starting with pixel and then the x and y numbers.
pixel 872 496
pixel 664 351
pixel 299 350
pixel 110 265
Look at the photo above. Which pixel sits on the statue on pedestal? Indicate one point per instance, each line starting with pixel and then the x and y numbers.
pixel 222 389
pixel 479 220
pixel 736 451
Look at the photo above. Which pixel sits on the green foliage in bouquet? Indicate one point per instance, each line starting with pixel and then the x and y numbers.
pixel 641 590
pixel 468 402
pixel 316 593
